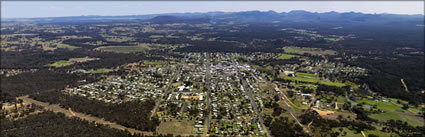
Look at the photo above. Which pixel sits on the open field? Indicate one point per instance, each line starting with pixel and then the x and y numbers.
pixel 125 49
pixel 391 112
pixel 61 45
pixel 311 78
pixel 155 62
pixel 312 51
pixel 352 133
pixel 176 127
pixel 102 70
pixel 61 63
pixel 409 118
pixel 286 56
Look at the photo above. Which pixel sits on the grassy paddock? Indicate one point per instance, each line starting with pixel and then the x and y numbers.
pixel 102 70
pixel 286 56
pixel 125 49
pixel 176 127
pixel 312 51
pixel 61 63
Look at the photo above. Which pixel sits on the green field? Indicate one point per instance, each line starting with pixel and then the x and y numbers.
pixel 330 39
pixel 312 78
pixel 285 56
pixel 61 63
pixel 411 120
pixel 176 127
pixel 381 105
pixel 312 51
pixel 125 49
pixel 102 70
pixel 155 62
pixel 352 133
pixel 391 113
pixel 60 45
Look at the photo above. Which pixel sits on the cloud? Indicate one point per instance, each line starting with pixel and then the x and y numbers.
pixel 121 6
pixel 55 7
pixel 78 7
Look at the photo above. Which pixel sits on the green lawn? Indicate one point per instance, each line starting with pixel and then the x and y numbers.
pixel 102 70
pixel 285 56
pixel 61 63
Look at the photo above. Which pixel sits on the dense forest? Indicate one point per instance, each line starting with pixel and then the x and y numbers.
pixel 51 124
pixel 39 81
pixel 133 114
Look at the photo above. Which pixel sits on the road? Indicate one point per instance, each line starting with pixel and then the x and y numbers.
pixel 207 80
pixel 291 111
pixel 70 113
pixel 166 92
pixel 248 90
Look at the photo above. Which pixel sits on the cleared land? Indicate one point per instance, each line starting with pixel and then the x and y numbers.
pixel 176 127
pixel 57 108
pixel 102 70
pixel 61 63
pixel 286 56
pixel 125 49
pixel 391 112
pixel 61 45
pixel 312 51
pixel 155 62
pixel 311 78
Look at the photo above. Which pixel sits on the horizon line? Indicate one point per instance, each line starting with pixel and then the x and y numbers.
pixel 205 12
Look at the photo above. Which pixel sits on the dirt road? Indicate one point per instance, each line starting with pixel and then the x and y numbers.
pixel 70 113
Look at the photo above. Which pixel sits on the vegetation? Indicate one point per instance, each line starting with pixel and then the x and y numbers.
pixel 101 70
pixel 285 56
pixel 312 51
pixel 58 125
pixel 125 49
pixel 61 63
pixel 134 114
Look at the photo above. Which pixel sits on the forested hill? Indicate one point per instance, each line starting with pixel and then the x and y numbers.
pixel 238 17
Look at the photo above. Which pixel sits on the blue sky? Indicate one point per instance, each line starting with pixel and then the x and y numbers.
pixel 10 9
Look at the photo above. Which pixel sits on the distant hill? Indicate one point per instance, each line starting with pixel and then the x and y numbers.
pixel 237 17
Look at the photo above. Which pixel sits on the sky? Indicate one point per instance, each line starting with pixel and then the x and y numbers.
pixel 30 9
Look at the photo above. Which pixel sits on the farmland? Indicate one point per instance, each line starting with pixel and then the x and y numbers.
pixel 312 51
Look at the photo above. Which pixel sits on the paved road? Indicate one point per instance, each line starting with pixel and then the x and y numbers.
pixel 248 90
pixel 207 80
pixel 166 91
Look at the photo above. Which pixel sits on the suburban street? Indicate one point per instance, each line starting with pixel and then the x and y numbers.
pixel 166 91
pixel 254 105
pixel 207 117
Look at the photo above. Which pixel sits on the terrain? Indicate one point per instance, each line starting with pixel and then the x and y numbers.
pixel 247 73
